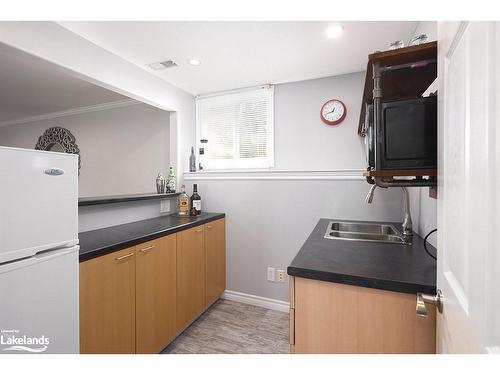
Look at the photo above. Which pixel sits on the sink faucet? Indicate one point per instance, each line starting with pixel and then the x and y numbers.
pixel 407 224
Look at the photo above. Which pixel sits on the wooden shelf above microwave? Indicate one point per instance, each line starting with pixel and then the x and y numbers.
pixel 402 83
pixel 401 173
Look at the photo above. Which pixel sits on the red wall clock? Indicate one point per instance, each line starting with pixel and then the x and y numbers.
pixel 333 112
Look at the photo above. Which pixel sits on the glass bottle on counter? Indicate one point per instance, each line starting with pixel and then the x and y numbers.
pixel 192 161
pixel 196 200
pixel 183 203
pixel 171 181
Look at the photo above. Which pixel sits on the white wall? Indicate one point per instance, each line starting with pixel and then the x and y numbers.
pixel 77 56
pixel 122 149
pixel 427 27
pixel 268 220
pixel 84 59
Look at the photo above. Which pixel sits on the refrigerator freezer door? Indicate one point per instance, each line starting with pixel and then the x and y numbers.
pixel 39 312
pixel 38 202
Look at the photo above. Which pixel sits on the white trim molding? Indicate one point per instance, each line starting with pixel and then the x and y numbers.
pixel 337 174
pixel 250 299
pixel 73 111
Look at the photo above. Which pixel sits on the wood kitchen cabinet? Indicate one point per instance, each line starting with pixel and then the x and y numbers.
pixel 107 303
pixel 138 299
pixel 329 317
pixel 155 293
pixel 215 260
pixel 190 274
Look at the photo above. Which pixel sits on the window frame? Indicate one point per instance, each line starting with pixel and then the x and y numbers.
pixel 240 164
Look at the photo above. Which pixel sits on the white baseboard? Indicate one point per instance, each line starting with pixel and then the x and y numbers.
pixel 250 299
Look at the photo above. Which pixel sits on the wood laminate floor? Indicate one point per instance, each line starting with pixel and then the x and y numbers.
pixel 234 328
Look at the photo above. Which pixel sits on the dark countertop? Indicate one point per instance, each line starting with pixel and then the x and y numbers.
pixel 106 240
pixel 387 266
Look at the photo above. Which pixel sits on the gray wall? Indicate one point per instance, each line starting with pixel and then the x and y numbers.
pixel 106 215
pixel 122 149
pixel 268 220
pixel 302 141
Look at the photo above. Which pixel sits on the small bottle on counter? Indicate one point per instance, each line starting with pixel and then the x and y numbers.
pixel 192 161
pixel 183 203
pixel 196 200
pixel 171 181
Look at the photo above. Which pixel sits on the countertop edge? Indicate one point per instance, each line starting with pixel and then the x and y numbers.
pixel 93 201
pixel 148 237
pixel 361 281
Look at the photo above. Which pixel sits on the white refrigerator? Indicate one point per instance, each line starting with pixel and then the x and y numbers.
pixel 38 251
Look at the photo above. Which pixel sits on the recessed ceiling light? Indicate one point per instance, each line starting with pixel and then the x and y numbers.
pixel 334 31
pixel 194 62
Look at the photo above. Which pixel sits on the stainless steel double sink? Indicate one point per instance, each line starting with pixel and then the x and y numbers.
pixel 365 231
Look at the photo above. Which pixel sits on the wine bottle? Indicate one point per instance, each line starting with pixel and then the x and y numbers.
pixel 196 200
pixel 192 161
pixel 183 203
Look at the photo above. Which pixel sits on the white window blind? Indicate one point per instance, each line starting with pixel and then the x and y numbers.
pixel 239 128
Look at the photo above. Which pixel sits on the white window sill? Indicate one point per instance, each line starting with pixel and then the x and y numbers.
pixel 267 174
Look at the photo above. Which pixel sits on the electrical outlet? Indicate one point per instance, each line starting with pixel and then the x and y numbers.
pixel 280 276
pixel 164 206
pixel 270 273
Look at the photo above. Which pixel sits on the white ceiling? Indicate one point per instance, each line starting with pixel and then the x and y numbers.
pixel 30 86
pixel 241 54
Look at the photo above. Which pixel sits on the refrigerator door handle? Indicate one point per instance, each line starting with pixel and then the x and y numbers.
pixel 37 258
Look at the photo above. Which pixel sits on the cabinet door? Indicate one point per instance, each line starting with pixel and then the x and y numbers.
pixel 155 293
pixel 335 318
pixel 215 260
pixel 107 303
pixel 190 274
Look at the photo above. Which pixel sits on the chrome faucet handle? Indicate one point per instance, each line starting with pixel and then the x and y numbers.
pixel 407 223
pixel 369 196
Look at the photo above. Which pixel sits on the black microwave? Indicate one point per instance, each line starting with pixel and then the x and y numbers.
pixel 407 137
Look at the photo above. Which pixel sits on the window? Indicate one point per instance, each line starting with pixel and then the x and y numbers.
pixel 239 128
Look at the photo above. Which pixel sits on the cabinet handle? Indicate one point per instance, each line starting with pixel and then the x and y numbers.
pixel 199 230
pixel 209 227
pixel 147 248
pixel 125 256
